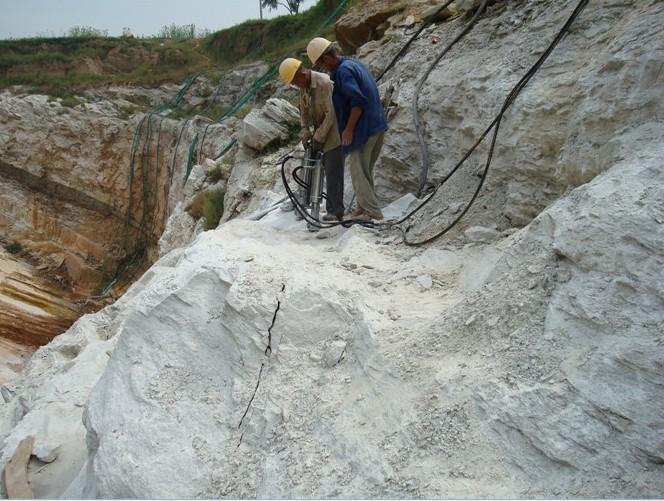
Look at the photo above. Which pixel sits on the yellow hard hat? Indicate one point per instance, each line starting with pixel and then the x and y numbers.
pixel 288 69
pixel 317 48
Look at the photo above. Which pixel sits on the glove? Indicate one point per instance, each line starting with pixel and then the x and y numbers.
pixel 316 146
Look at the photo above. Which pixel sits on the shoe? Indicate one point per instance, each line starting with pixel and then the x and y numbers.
pixel 331 217
pixel 359 216
pixel 357 213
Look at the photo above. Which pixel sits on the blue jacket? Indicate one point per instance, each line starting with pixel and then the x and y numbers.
pixel 354 86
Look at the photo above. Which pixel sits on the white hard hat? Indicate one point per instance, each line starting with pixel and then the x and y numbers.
pixel 288 69
pixel 317 48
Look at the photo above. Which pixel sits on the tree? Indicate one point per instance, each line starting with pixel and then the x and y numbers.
pixel 293 6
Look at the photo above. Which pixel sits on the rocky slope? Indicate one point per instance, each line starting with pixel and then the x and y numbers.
pixel 66 180
pixel 67 185
pixel 520 358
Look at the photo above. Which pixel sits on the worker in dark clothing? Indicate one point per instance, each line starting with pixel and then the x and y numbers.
pixel 360 117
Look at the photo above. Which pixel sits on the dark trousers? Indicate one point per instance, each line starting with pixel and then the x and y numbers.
pixel 333 161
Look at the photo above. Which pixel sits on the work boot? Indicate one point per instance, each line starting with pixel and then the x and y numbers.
pixel 357 213
pixel 332 217
pixel 378 216
pixel 360 215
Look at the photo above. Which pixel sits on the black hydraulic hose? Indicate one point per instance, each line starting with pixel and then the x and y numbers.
pixel 302 183
pixel 175 150
pixel 301 210
pixel 416 98
pixel 495 125
pixel 317 223
pixel 427 22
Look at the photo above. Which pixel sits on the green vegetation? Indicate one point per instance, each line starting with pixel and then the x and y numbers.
pixel 178 32
pixel 293 134
pixel 86 32
pixel 66 66
pixel 70 102
pixel 209 205
pixel 14 248
pixel 182 32
pixel 228 160
pixel 242 113
pixel 271 38
pixel 62 67
pixel 215 174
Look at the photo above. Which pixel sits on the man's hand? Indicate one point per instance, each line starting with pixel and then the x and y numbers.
pixel 316 146
pixel 347 137
pixel 306 136
pixel 349 132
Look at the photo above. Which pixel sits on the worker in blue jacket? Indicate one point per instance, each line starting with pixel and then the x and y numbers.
pixel 360 118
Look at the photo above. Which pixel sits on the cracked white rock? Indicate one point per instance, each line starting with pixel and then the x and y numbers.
pixel 560 398
pixel 264 126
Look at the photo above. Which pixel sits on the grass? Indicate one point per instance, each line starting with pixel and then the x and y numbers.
pixel 268 39
pixel 139 100
pixel 242 113
pixel 278 143
pixel 14 248
pixel 64 67
pixel 70 102
pixel 215 174
pixel 130 111
pixel 209 205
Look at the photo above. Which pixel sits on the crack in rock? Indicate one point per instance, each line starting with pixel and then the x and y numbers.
pixel 268 353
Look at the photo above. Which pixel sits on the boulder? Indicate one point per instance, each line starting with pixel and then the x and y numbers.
pixel 265 126
pixel 361 25
pixel 178 232
pixel 371 21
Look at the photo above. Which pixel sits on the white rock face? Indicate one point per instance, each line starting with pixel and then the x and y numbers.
pixel 248 353
pixel 604 321
pixel 48 399
pixel 563 129
pixel 179 231
pixel 250 380
pixel 264 126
